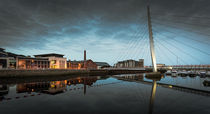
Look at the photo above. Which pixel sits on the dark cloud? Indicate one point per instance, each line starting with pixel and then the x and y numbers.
pixel 40 23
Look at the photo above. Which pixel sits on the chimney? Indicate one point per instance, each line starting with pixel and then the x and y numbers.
pixel 84 55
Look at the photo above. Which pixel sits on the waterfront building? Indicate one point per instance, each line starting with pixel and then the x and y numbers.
pixel 7 59
pixel 7 63
pixel 101 65
pixel 130 64
pixel 57 61
pixel 32 63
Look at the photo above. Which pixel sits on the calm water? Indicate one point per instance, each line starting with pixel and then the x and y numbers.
pixel 119 94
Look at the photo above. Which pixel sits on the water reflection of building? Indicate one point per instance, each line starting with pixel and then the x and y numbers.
pixel 54 87
pixel 132 77
pixel 4 90
pixel 32 87
pixel 84 80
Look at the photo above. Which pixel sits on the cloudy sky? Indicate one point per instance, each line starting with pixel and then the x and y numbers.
pixel 110 30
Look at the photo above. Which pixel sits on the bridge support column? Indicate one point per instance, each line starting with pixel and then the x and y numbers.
pixel 151 41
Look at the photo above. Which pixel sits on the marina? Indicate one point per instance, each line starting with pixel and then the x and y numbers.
pixel 191 73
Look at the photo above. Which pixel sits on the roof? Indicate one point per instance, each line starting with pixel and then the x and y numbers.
pixel 9 54
pixel 81 61
pixel 102 64
pixel 49 55
pixel 31 58
pixel 76 61
pixel 127 60
pixel 2 49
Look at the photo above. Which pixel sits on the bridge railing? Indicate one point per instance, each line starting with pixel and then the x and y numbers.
pixel 124 68
pixel 207 67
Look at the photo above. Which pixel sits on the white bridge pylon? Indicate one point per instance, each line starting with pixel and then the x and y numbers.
pixel 151 41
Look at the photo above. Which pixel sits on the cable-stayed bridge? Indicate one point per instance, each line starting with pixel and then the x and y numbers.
pixel 178 43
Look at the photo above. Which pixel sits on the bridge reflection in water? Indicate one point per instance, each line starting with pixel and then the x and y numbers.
pixel 140 78
pixel 152 98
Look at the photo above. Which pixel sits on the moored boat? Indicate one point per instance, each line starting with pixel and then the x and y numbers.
pixel 183 73
pixel 208 73
pixel 202 74
pixel 173 73
pixel 168 72
pixel 206 83
pixel 192 73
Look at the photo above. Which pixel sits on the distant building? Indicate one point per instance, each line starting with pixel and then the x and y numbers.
pixel 160 65
pixel 101 65
pixel 57 61
pixel 130 64
pixel 88 64
pixel 84 64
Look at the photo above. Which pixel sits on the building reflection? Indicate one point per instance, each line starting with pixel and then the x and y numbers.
pixel 132 77
pixel 4 90
pixel 32 87
pixel 50 87
pixel 54 87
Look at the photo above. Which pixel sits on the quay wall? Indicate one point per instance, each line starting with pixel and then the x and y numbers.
pixel 61 72
pixel 190 68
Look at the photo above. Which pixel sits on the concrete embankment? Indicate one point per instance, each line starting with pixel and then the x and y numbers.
pixel 61 72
